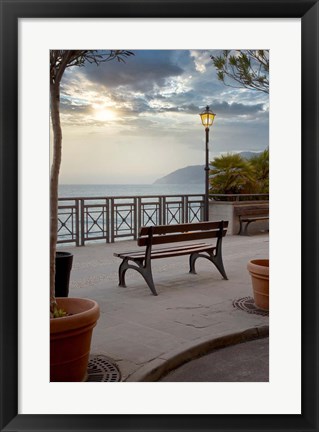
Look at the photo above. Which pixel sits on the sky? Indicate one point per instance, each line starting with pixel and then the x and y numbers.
pixel 134 122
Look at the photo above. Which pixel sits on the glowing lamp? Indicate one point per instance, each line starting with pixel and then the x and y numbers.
pixel 207 117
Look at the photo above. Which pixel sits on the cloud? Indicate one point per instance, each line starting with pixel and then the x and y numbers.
pixel 201 60
pixel 236 109
pixel 223 109
pixel 142 71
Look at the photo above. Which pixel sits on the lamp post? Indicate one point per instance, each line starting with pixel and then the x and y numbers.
pixel 207 118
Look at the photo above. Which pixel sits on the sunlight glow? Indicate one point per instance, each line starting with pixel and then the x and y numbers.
pixel 104 115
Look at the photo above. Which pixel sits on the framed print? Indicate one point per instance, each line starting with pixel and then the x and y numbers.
pixel 29 30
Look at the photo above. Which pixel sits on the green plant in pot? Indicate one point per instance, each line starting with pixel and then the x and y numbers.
pixel 71 319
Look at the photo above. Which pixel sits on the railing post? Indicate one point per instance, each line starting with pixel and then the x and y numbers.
pixel 184 213
pixel 107 220
pixel 160 210
pixel 202 207
pixel 77 223
pixel 112 220
pixel 82 221
pixel 137 205
pixel 186 208
pixel 163 202
pixel 140 213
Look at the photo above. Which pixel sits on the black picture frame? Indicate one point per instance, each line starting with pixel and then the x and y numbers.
pixel 11 11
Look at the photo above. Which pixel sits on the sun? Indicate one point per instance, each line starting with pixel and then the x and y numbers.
pixel 103 114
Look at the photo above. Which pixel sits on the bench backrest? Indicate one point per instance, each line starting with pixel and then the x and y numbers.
pixel 251 210
pixel 161 234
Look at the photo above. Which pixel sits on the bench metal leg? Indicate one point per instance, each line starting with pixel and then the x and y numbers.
pixel 245 230
pixel 122 270
pixel 215 259
pixel 240 227
pixel 218 261
pixel 145 271
pixel 192 258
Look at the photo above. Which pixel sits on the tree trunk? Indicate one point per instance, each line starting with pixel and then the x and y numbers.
pixel 54 182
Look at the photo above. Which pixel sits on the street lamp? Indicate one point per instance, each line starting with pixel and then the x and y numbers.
pixel 207 118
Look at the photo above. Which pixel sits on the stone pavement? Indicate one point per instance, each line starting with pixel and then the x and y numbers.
pixel 146 336
pixel 243 362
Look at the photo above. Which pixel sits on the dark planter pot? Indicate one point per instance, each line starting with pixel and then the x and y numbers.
pixel 63 266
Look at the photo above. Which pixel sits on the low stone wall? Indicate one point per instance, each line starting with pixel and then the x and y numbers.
pixel 224 210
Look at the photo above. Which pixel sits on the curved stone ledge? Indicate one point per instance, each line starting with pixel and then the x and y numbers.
pixel 162 365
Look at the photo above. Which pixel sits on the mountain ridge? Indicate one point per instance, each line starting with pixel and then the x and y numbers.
pixel 192 174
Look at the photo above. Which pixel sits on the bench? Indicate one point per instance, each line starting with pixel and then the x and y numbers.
pixel 250 213
pixel 167 234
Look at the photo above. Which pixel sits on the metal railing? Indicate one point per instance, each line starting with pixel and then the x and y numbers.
pixel 83 219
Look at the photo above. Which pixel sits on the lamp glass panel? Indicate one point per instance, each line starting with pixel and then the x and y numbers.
pixel 207 118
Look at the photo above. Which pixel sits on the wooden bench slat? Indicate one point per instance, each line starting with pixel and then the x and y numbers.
pixel 173 238
pixel 167 248
pixel 165 252
pixel 254 213
pixel 178 228
pixel 251 207
pixel 246 211
pixel 180 252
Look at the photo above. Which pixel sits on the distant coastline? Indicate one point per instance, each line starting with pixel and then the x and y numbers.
pixel 193 174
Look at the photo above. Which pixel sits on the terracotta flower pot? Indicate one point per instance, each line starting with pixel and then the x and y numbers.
pixel 70 339
pixel 259 272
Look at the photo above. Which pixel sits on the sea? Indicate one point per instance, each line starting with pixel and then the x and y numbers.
pixel 99 190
